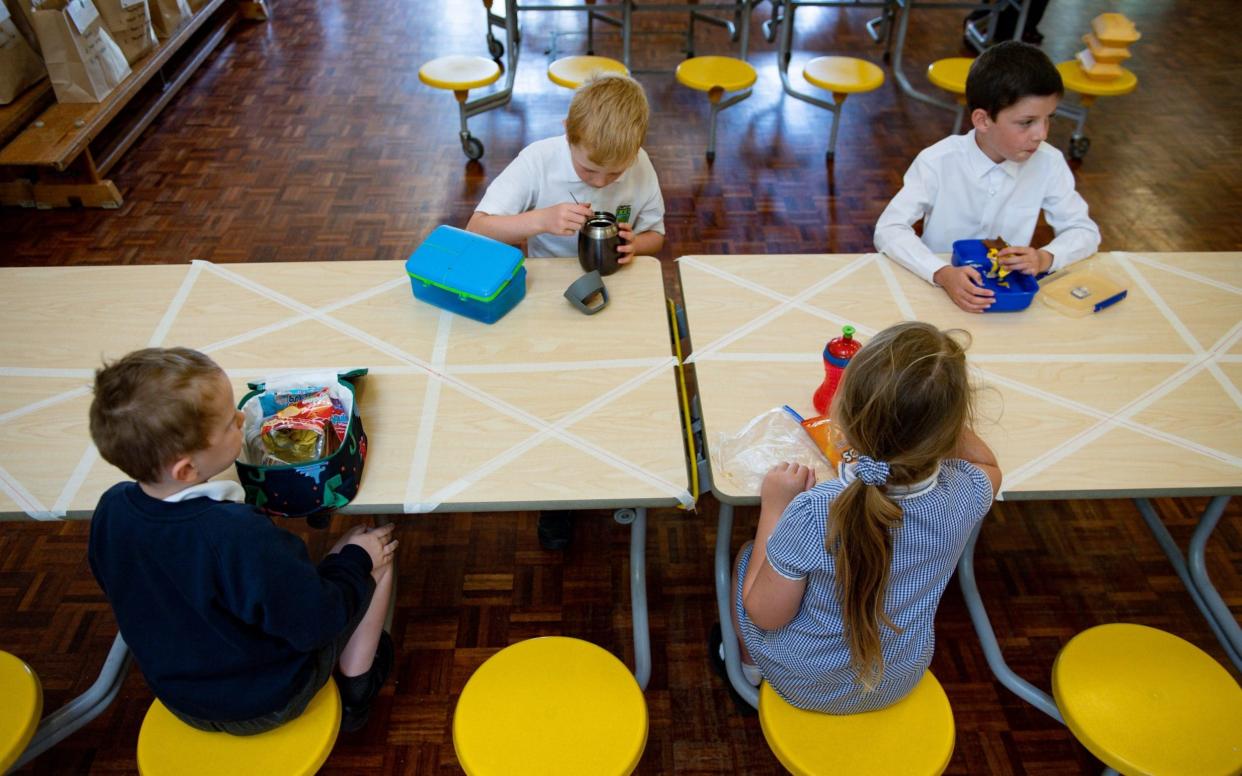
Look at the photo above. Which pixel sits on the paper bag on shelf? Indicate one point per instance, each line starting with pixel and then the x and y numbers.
pixel 167 16
pixel 21 12
pixel 82 60
pixel 129 23
pixel 20 66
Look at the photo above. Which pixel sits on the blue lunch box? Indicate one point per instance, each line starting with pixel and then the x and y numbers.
pixel 1021 288
pixel 467 274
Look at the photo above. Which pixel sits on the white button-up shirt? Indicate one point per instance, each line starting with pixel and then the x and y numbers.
pixel 961 194
pixel 543 175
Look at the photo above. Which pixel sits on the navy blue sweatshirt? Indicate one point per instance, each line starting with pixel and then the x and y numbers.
pixel 223 611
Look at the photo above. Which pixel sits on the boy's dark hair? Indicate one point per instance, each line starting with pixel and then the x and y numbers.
pixel 149 409
pixel 1006 73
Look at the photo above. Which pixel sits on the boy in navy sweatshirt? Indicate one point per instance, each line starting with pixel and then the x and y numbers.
pixel 232 625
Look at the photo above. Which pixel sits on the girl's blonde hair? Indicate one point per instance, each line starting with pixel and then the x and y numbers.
pixel 608 119
pixel 903 401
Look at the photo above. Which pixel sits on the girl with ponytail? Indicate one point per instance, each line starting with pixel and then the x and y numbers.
pixel 835 600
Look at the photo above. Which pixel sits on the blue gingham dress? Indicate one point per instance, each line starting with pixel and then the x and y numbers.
pixel 807 662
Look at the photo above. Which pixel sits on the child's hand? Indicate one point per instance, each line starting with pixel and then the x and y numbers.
pixel 378 543
pixel 783 482
pixel 345 537
pixel 625 231
pixel 965 287
pixel 1025 259
pixel 564 219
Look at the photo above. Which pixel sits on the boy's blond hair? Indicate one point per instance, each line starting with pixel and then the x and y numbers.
pixel 148 409
pixel 608 119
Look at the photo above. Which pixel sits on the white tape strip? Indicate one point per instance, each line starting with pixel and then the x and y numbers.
pixel 503 406
pixel 557 429
pixel 1080 358
pixel 1077 442
pixel 174 307
pixel 1181 329
pixel 1115 419
pixel 21 371
pixel 44 403
pixel 1195 276
pixel 894 288
pixel 792 302
pixel 24 498
pixel 74 483
pixel 431 406
pixel 554 366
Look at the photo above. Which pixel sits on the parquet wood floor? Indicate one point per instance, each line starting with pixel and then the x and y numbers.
pixel 310 137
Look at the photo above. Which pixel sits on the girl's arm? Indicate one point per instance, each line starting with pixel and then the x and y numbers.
pixel 772 600
pixel 972 449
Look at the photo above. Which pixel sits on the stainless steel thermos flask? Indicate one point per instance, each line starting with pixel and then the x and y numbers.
pixel 597 243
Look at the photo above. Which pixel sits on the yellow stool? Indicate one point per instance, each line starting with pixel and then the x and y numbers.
pixel 550 705
pixel 1088 90
pixel 842 76
pixel 1145 701
pixel 913 736
pixel 572 72
pixel 950 74
pixel 460 74
pixel 716 76
pixel 21 709
pixel 166 745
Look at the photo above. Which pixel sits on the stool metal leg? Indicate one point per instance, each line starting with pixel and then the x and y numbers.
pixel 1194 573
pixel 724 606
pixel 75 714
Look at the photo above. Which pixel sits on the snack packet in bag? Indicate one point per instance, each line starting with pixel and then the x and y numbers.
pixel 771 438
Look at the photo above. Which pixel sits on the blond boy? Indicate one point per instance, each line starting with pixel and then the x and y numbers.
pixel 599 162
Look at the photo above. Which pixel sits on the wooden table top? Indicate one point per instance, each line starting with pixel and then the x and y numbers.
pixel 547 407
pixel 1143 398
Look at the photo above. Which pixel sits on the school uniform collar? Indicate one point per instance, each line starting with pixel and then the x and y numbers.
pixel 219 490
pixel 895 492
pixel 981 164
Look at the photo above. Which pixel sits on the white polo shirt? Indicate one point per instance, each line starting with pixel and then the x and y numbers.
pixel 543 175
pixel 961 194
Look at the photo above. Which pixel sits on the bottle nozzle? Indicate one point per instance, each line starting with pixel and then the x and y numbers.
pixel 848 331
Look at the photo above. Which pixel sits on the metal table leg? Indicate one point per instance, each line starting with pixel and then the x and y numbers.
pixel 1193 572
pixel 724 606
pixel 987 637
pixel 637 520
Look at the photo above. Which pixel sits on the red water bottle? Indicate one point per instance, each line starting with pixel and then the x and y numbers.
pixel 837 355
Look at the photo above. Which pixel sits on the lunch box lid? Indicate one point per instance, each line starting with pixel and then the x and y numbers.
pixel 467 264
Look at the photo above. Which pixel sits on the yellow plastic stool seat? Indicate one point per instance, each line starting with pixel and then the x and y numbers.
pixel 459 73
pixel 20 710
pixel 950 74
pixel 551 705
pixel 1146 701
pixel 166 745
pixel 707 73
pixel 572 72
pixel 913 736
pixel 1076 80
pixel 843 75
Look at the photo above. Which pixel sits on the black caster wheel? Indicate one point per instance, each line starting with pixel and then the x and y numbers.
pixel 473 148
pixel 711 156
pixel 888 58
pixel 1079 146
pixel 495 48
